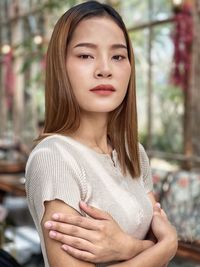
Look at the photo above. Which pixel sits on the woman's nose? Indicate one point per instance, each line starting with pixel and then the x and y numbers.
pixel 103 71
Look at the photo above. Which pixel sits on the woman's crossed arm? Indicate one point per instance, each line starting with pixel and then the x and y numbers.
pixel 100 239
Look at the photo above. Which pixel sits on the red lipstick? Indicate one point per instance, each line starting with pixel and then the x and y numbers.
pixel 103 89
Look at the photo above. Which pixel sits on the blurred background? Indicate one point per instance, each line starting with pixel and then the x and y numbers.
pixel 166 41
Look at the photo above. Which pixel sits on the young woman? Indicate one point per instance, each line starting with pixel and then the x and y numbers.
pixel 88 180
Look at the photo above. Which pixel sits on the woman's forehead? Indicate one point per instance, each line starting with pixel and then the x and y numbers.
pixel 98 29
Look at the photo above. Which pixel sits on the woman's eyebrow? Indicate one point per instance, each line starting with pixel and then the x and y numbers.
pixel 90 45
pixel 94 46
pixel 117 46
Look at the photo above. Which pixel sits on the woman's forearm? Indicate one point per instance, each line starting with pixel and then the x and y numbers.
pixel 158 255
pixel 132 247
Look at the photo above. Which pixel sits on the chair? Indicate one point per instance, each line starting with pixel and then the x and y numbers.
pixel 6 260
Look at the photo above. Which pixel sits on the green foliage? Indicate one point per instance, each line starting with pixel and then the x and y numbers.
pixel 167 106
pixel 33 55
pixel 167 124
pixel 55 4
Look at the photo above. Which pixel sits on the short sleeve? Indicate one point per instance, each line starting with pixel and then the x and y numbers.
pixel 146 174
pixel 53 173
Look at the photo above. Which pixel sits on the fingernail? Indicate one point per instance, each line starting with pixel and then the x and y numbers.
pixel 64 247
pixel 52 234
pixel 83 203
pixel 48 225
pixel 55 216
pixel 158 205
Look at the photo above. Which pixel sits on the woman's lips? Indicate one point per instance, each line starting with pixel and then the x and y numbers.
pixel 103 89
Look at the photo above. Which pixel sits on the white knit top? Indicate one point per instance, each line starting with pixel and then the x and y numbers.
pixel 60 167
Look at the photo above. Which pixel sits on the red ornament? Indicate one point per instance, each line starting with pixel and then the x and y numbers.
pixel 183 39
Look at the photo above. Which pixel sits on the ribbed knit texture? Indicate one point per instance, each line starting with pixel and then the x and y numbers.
pixel 61 168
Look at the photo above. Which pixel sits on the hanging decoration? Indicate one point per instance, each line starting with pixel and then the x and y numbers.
pixel 182 39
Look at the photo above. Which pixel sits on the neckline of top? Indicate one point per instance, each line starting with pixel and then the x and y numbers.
pixel 72 140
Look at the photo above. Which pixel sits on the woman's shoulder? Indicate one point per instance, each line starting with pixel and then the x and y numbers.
pixel 54 147
pixel 142 151
pixel 53 143
pixel 146 177
pixel 141 147
pixel 144 160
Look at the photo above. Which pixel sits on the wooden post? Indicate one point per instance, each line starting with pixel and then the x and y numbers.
pixel 3 104
pixel 187 128
pixel 2 97
pixel 195 84
pixel 18 110
pixel 149 86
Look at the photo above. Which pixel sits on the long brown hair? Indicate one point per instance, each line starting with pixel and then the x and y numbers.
pixel 62 112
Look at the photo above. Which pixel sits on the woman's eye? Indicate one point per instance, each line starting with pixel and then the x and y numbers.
pixel 118 57
pixel 85 56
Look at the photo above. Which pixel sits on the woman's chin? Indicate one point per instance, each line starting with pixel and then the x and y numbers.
pixel 101 109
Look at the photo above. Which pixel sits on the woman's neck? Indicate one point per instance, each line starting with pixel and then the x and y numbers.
pixel 93 133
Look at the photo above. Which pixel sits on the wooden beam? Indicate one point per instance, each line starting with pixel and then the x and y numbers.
pixel 151 24
pixel 188 251
pixel 172 156
pixel 150 80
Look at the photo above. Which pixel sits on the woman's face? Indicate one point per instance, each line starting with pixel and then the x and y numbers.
pixel 97 55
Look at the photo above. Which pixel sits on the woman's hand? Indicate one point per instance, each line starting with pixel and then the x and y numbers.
pixel 95 239
pixel 163 230
pixel 160 254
